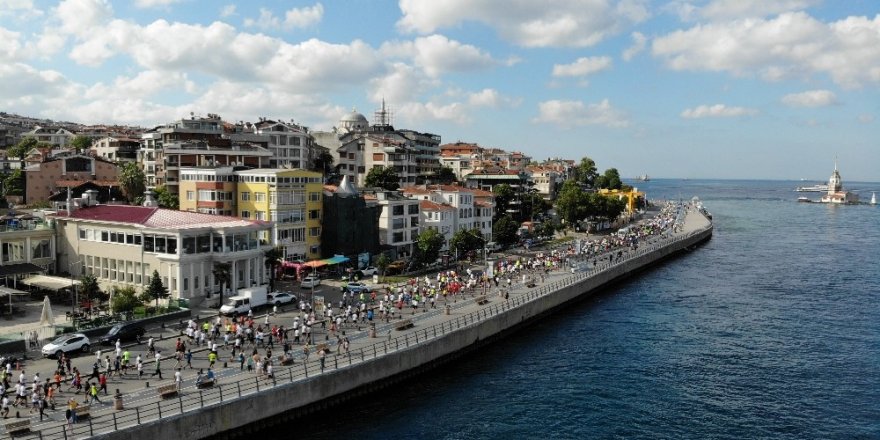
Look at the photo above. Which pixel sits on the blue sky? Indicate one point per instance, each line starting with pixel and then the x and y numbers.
pixel 682 88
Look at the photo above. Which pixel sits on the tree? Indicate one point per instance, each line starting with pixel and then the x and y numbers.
pixel 585 172
pixel 323 163
pixel 124 299
pixel 504 194
pixel 166 199
pixel 81 143
pixel 20 149
pixel 13 184
pixel 466 240
pixel 273 258
pixel 382 262
pixel 573 203
pixel 155 290
pixel 504 230
pixel 429 244
pixel 446 176
pixel 609 180
pixel 89 288
pixel 132 180
pixel 222 275
pixel 382 177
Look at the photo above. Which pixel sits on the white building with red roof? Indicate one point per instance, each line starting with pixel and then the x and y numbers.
pixel 466 208
pixel 122 245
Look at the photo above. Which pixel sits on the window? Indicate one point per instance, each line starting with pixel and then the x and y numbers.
pixel 314 232
pixel 314 197
pixel 259 215
pixel 397 210
pixel 245 214
pixel 190 195
pixel 314 214
pixel 245 196
pixel 413 209
pixel 259 197
pixel 82 234
pixel 398 223
pixel 397 237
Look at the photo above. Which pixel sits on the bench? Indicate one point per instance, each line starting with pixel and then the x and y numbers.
pixel 167 390
pixel 18 427
pixel 480 300
pixel 82 411
pixel 207 383
pixel 403 324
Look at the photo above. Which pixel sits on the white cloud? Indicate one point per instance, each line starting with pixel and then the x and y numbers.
pixel 293 19
pixel 582 67
pixel 154 3
pixel 810 98
pixel 565 23
pixel 83 17
pixel 689 10
pixel 142 85
pixel 866 118
pixel 576 113
pixel 485 98
pixel 227 11
pixel 402 83
pixel 436 55
pixel 10 46
pixel 304 17
pixel 716 111
pixel 19 9
pixel 637 47
pixel 792 44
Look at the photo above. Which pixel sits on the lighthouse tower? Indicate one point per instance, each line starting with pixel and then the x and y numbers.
pixel 834 183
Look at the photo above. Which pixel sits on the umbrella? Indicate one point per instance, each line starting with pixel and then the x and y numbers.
pixel 46 317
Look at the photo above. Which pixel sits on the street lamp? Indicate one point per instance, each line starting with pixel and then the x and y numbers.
pixel 73 284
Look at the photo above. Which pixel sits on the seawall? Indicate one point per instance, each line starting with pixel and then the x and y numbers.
pixel 387 360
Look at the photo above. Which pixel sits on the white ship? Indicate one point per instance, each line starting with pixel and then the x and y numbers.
pixel 818 188
pixel 873 198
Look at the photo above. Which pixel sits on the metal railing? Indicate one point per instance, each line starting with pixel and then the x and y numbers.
pixel 106 420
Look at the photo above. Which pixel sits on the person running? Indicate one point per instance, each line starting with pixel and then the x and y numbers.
pixel 189 358
pixel 158 368
pixel 178 379
pixel 93 392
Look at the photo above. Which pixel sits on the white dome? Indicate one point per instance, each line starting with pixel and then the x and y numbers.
pixel 353 121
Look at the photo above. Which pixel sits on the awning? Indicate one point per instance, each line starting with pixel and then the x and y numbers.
pixel 8 291
pixel 50 282
pixel 336 259
pixel 19 268
pixel 315 263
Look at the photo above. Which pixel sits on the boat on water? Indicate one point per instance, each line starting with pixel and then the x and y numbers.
pixel 643 178
pixel 873 198
pixel 820 187
pixel 803 199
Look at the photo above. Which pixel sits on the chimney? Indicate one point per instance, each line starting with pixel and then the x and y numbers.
pixel 91 197
pixel 69 201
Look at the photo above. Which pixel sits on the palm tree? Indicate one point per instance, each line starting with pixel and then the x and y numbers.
pixel 272 260
pixel 222 273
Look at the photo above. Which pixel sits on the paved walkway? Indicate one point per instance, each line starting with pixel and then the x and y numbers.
pixel 141 392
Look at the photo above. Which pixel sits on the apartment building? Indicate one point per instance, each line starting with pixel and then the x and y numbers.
pixel 398 220
pixel 208 190
pixel 42 178
pixel 116 149
pixel 291 200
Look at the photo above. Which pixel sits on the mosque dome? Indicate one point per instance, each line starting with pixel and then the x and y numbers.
pixel 353 121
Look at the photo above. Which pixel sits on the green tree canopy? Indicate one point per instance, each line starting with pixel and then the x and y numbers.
pixel 81 143
pixel 446 176
pixel 585 172
pixel 429 244
pixel 466 240
pixel 132 180
pixel 382 262
pixel 13 183
pixel 382 177
pixel 609 180
pixel 323 163
pixel 572 203
pixel 504 194
pixel 124 299
pixel 166 199
pixel 504 230
pixel 89 288
pixel 155 290
pixel 22 147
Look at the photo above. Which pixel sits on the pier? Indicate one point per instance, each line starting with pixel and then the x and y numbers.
pixel 397 350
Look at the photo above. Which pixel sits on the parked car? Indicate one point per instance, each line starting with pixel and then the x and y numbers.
pixel 366 272
pixel 278 298
pixel 310 281
pixel 68 344
pixel 493 247
pixel 126 331
pixel 355 288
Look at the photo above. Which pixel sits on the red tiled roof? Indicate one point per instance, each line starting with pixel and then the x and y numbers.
pixel 483 203
pixel 156 217
pixel 68 182
pixel 427 205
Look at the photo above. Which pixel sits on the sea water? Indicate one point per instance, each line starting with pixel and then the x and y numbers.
pixel 769 330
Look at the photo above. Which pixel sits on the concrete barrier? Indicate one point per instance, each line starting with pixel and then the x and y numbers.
pixel 279 404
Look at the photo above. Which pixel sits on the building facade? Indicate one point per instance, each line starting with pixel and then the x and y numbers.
pixel 42 178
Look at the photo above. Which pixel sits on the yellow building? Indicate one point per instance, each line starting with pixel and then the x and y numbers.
pixel 292 200
pixel 208 190
pixel 633 197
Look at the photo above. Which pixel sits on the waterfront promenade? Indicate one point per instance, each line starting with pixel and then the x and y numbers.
pixel 393 351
